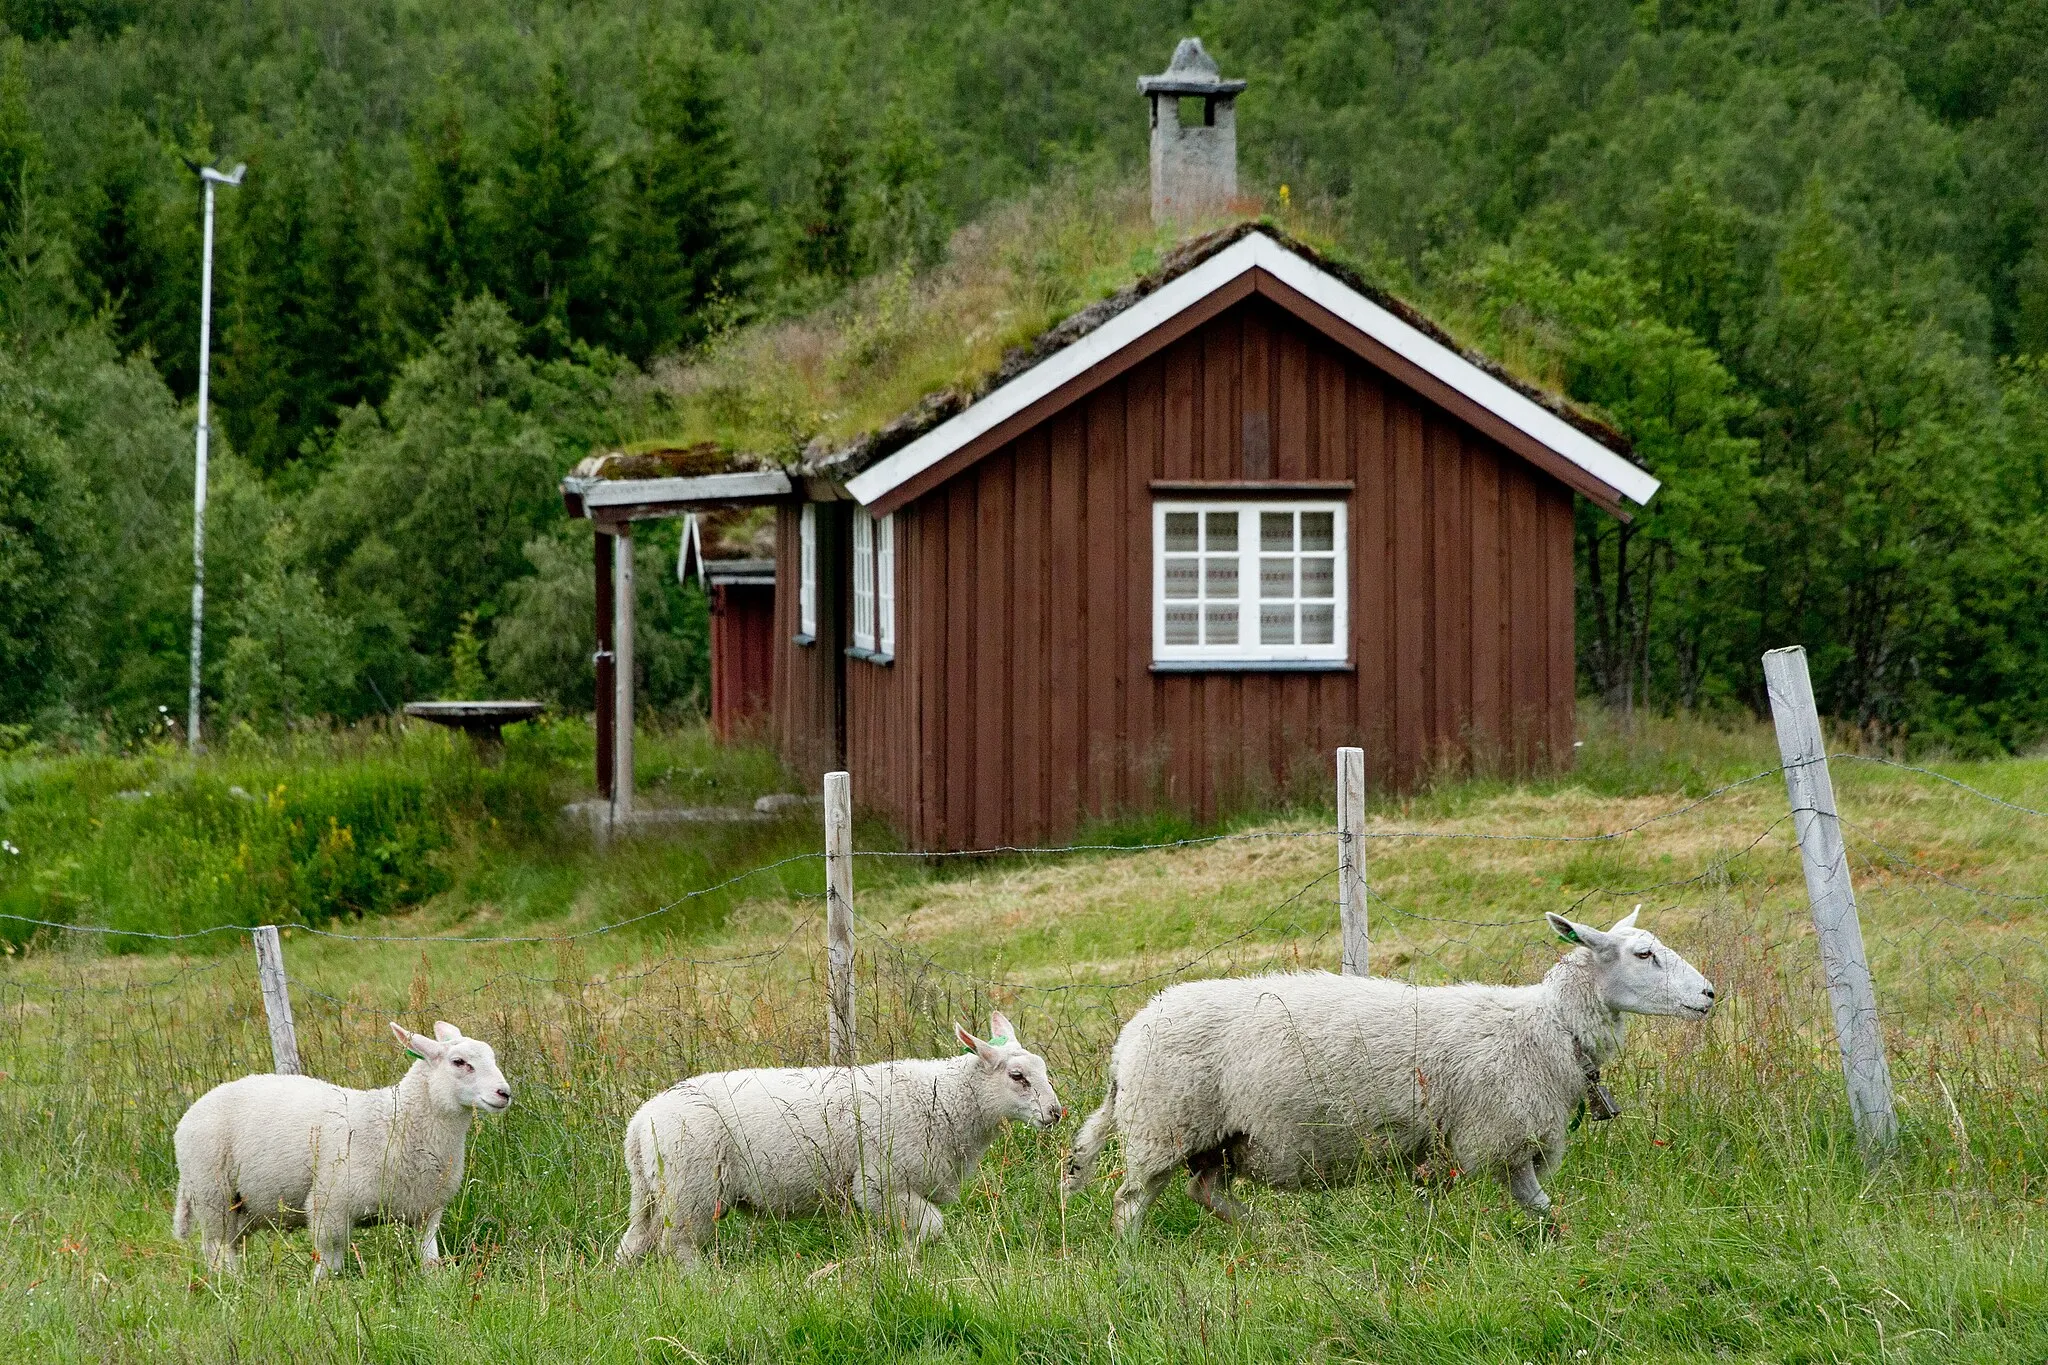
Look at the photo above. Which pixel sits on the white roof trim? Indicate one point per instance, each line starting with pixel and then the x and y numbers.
pixel 1253 251
pixel 765 483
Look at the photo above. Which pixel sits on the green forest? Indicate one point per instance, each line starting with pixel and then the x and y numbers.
pixel 1796 251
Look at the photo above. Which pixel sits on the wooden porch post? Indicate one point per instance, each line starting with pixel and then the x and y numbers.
pixel 622 689
pixel 603 658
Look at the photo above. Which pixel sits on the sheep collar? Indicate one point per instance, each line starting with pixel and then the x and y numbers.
pixel 1598 1101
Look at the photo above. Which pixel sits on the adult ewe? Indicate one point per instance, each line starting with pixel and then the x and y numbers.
pixel 892 1139
pixel 290 1151
pixel 1293 1080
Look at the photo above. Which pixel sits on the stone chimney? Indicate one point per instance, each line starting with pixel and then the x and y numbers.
pixel 1194 161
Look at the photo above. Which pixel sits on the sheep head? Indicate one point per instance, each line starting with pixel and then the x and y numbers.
pixel 1014 1076
pixel 1635 972
pixel 462 1073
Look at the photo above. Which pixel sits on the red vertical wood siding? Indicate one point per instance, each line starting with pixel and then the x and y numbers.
pixel 806 706
pixel 1021 702
pixel 743 649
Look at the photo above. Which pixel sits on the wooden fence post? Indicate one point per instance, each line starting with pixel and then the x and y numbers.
pixel 839 917
pixel 1351 890
pixel 1851 992
pixel 277 1002
pixel 622 677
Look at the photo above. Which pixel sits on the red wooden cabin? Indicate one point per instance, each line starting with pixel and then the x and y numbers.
pixel 1243 513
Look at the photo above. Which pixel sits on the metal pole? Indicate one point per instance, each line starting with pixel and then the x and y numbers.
pixel 209 178
pixel 839 917
pixel 1351 889
pixel 199 479
pixel 277 1002
pixel 1851 992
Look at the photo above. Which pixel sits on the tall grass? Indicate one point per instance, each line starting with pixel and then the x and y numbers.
pixel 1727 1215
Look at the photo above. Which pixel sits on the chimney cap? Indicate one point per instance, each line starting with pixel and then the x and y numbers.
pixel 1192 72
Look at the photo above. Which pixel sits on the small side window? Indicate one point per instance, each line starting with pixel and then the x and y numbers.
pixel 885 584
pixel 807 571
pixel 863 581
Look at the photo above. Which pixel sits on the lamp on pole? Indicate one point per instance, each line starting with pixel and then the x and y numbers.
pixel 209 177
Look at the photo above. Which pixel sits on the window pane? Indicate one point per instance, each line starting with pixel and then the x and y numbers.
pixel 1181 530
pixel 1318 577
pixel 1318 531
pixel 1276 530
pixel 1182 626
pixel 1223 531
pixel 1318 624
pixel 1222 576
pixel 1276 624
pixel 1222 626
pixel 1183 578
pixel 1276 577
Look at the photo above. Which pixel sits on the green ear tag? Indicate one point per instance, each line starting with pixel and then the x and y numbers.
pixel 414 1055
pixel 992 1042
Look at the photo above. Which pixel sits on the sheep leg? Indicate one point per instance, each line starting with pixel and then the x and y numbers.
pixel 430 1241
pixel 1210 1184
pixel 640 1230
pixel 916 1218
pixel 219 1243
pixel 330 1246
pixel 1135 1196
pixel 683 1234
pixel 1527 1192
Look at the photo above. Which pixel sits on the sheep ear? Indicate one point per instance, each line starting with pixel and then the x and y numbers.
pixel 447 1032
pixel 1001 1030
pixel 989 1056
pixel 1627 921
pixel 418 1044
pixel 1586 936
pixel 1571 931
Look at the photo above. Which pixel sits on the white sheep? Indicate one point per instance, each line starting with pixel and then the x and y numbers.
pixel 1294 1080
pixel 892 1139
pixel 291 1151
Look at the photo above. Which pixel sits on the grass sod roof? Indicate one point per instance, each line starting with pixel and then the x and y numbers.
pixel 830 394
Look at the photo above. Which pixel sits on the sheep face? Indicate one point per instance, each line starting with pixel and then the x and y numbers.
pixel 1637 973
pixel 1015 1076
pixel 462 1073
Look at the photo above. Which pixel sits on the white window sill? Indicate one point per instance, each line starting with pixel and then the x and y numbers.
pixel 1253 666
pixel 871 656
pixel 803 639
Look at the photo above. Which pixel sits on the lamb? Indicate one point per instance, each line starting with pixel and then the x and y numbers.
pixel 893 1139
pixel 291 1151
pixel 1292 1080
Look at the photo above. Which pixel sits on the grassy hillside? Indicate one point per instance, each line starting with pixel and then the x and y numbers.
pixel 1726 1215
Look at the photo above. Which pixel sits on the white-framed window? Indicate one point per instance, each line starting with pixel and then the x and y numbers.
pixel 874 583
pixel 863 581
pixel 807 572
pixel 885 585
pixel 1252 582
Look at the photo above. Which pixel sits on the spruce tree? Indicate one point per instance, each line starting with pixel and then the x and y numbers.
pixel 549 186
pixel 829 247
pixel 684 234
pixel 439 252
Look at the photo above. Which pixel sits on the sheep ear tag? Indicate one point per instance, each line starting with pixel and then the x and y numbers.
pixel 992 1042
pixel 414 1055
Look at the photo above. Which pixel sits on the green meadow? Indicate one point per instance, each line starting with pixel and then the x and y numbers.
pixel 1726 1216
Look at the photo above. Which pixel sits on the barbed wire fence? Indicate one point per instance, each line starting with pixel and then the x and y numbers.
pixel 1960 1011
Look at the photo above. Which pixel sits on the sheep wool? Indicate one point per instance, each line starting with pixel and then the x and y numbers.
pixel 292 1151
pixel 893 1139
pixel 1294 1080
